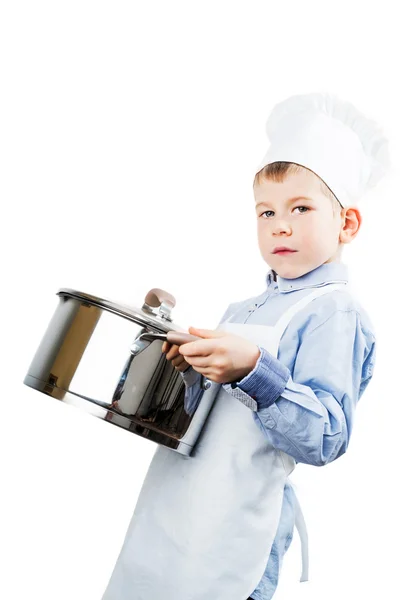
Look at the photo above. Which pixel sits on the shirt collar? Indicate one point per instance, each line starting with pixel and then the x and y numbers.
pixel 332 272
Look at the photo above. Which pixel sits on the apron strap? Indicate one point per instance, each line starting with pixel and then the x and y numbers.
pixel 283 322
pixel 300 525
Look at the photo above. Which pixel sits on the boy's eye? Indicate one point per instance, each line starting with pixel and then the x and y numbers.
pixel 271 211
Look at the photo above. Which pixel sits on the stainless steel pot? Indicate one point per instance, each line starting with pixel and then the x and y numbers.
pixel 106 358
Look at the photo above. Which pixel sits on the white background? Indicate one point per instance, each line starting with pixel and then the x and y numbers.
pixel 129 136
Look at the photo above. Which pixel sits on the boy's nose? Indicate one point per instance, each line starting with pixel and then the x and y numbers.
pixel 282 227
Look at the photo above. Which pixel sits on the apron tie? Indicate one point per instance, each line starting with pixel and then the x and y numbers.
pixel 300 525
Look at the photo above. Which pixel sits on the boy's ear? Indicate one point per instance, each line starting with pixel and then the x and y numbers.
pixel 351 222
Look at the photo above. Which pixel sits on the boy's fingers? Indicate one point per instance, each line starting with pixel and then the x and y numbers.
pixel 172 351
pixel 178 361
pixel 183 367
pixel 165 347
pixel 173 355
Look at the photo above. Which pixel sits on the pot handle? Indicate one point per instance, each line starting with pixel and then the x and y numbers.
pixel 156 297
pixel 179 337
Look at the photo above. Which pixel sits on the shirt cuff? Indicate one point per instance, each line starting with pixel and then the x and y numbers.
pixel 241 396
pixel 263 385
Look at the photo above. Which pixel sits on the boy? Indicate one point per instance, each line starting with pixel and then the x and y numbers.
pixel 290 366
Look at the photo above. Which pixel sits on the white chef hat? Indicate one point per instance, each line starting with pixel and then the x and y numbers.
pixel 331 138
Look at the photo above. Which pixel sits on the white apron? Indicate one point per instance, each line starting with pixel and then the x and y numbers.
pixel 203 525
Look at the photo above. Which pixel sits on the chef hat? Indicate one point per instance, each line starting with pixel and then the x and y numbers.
pixel 331 138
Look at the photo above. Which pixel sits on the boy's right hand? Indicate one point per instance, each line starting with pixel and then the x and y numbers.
pixel 172 354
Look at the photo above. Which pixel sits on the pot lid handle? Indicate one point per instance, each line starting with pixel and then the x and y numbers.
pixel 156 297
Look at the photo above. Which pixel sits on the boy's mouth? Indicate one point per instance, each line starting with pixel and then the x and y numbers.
pixel 283 250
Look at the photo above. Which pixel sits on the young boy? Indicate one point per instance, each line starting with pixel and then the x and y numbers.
pixel 288 368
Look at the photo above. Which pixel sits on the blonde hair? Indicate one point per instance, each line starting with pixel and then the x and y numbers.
pixel 277 171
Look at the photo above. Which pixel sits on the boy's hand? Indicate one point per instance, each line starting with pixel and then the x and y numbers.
pixel 220 356
pixel 172 354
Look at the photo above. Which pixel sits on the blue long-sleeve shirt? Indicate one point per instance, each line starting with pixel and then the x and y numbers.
pixel 304 399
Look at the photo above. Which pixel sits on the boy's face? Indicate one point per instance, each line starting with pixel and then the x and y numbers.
pixel 306 225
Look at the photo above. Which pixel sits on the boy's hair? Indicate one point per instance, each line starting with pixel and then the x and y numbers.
pixel 277 171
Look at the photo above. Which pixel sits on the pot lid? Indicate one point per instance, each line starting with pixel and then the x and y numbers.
pixel 154 312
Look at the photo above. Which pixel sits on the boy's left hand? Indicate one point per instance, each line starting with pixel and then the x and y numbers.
pixel 220 356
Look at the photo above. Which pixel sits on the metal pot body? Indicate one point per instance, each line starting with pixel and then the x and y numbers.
pixel 88 358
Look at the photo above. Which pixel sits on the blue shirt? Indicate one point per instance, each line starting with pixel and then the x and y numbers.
pixel 304 399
